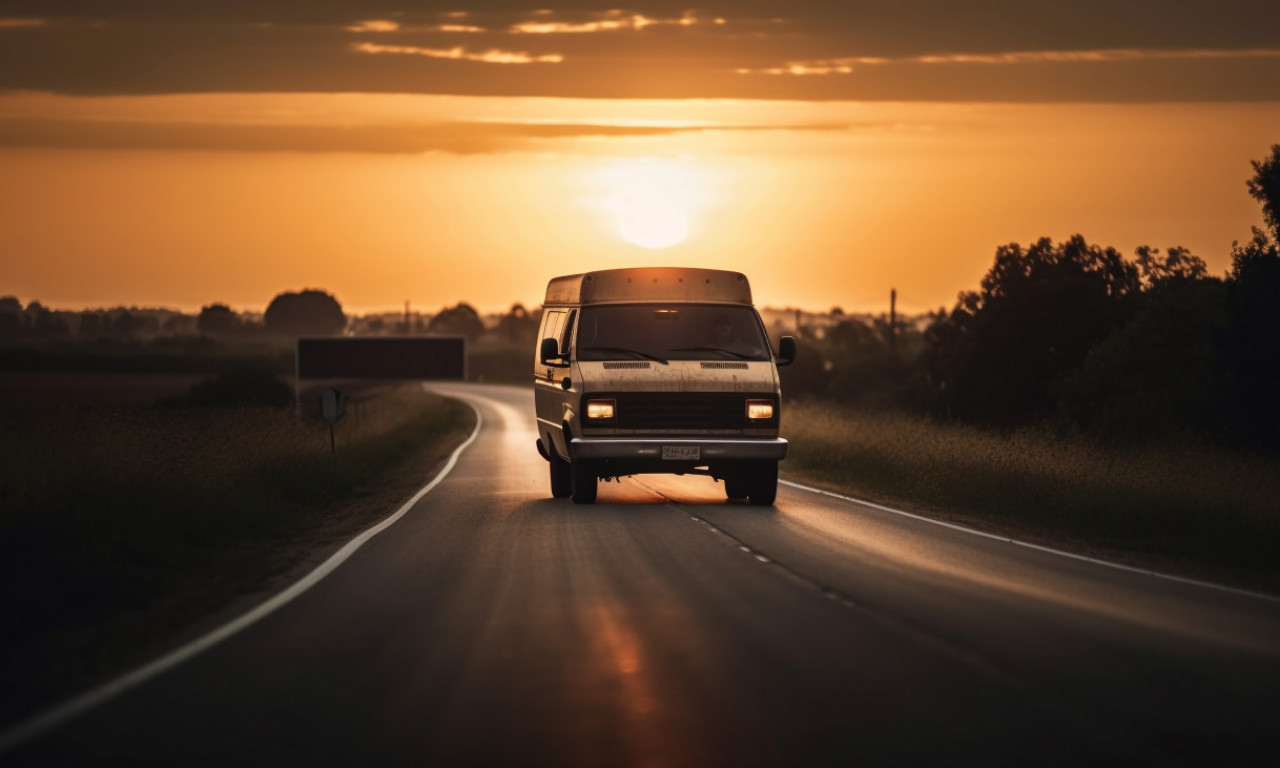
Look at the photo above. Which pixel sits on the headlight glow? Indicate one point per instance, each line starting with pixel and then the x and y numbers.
pixel 600 409
pixel 759 410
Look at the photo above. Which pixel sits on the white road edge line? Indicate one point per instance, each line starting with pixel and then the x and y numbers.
pixel 1041 548
pixel 27 729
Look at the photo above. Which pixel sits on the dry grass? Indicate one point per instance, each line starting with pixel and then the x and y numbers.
pixel 1189 506
pixel 120 525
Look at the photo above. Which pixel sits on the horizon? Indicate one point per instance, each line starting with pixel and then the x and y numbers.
pixel 363 312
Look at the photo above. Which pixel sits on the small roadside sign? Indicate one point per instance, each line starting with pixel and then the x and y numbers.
pixel 333 404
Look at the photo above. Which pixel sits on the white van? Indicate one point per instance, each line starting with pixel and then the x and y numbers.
pixel 658 370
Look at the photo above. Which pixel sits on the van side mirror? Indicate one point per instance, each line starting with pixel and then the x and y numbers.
pixel 786 350
pixel 549 353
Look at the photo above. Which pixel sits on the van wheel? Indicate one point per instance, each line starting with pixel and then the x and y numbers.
pixel 764 484
pixel 584 482
pixel 561 482
pixel 736 488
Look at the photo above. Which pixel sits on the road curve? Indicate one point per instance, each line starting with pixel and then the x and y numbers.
pixel 493 625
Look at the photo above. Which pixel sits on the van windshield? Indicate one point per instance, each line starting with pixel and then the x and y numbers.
pixel 665 332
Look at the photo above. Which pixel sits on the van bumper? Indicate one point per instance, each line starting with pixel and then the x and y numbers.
pixel 709 449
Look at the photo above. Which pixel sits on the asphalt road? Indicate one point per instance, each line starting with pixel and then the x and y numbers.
pixel 493 625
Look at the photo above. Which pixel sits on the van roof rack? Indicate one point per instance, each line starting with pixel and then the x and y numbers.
pixel 643 284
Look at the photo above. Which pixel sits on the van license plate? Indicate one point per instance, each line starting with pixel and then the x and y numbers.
pixel 681 452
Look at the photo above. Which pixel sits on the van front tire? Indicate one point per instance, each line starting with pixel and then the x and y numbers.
pixel 561 481
pixel 583 480
pixel 736 487
pixel 763 489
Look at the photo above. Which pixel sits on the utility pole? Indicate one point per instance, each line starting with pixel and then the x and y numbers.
pixel 407 327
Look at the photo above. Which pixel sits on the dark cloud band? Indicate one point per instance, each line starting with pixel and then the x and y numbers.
pixel 1087 50
pixel 455 138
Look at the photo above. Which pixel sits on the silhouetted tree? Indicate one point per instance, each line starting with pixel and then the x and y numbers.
pixel 1253 314
pixel 90 325
pixel 10 317
pixel 124 325
pixel 217 320
pixel 461 319
pixel 857 361
pixel 1038 313
pixel 1177 264
pixel 1253 346
pixel 1162 373
pixel 304 313
pixel 518 326
pixel 44 323
pixel 808 375
pixel 29 315
pixel 181 325
pixel 1265 188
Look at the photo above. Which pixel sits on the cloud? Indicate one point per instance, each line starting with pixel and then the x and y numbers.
pixel 607 21
pixel 847 65
pixel 451 137
pixel 818 67
pixel 382 26
pixel 373 25
pixel 22 23
pixel 492 56
pixel 1115 54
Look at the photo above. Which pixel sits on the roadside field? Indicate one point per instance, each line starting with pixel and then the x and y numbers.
pixel 46 390
pixel 1187 508
pixel 121 525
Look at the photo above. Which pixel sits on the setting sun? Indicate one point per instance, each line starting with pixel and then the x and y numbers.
pixel 650 199
pixel 651 222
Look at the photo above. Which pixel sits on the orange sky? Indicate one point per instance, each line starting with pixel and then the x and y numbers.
pixel 184 154
pixel 436 199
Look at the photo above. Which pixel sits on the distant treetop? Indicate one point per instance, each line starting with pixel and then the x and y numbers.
pixel 308 312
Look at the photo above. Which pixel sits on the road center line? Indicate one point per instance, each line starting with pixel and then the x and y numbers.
pixel 27 729
pixel 893 623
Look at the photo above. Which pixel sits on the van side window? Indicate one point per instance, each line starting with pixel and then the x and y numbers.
pixel 551 325
pixel 566 333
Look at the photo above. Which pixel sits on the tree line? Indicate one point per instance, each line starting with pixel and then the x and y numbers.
pixel 1077 335
pixel 309 312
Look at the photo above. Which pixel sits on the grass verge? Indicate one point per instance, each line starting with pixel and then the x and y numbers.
pixel 121 527
pixel 1183 508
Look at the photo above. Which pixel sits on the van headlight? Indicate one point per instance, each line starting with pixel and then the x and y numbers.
pixel 759 410
pixel 601 409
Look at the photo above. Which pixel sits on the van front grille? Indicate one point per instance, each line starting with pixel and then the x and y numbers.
pixel 684 411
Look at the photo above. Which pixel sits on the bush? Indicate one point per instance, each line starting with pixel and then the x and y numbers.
pixel 251 384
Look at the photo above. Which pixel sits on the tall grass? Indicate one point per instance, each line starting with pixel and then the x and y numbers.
pixel 119 525
pixel 1185 503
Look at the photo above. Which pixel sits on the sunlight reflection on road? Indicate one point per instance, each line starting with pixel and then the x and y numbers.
pixel 867 536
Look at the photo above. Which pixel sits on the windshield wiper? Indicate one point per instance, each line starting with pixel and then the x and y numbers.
pixel 741 355
pixel 626 351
